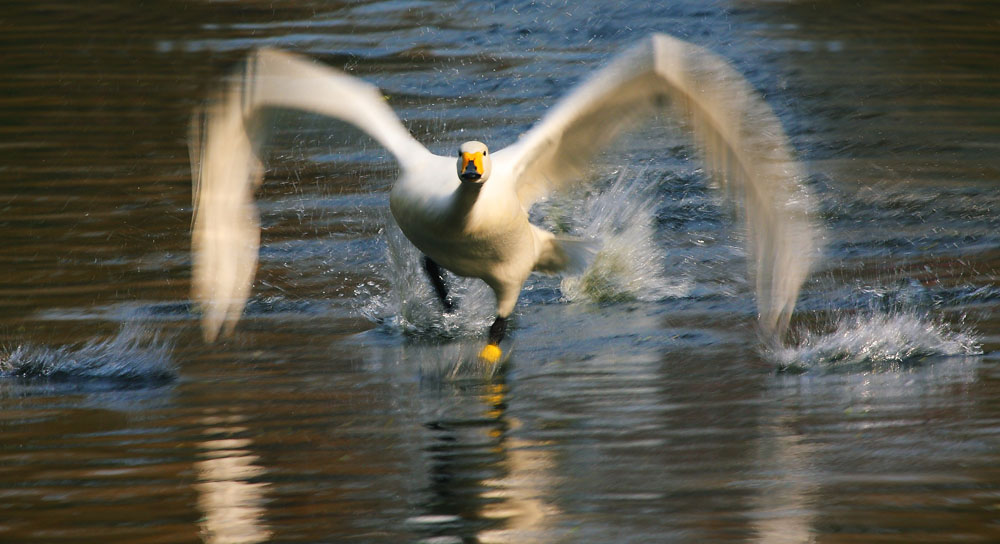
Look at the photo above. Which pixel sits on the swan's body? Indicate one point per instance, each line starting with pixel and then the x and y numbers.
pixel 474 221
pixel 491 239
pixel 474 229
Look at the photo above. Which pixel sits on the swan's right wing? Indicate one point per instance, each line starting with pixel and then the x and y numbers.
pixel 743 147
pixel 226 229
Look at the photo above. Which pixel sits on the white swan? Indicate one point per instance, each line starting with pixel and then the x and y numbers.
pixel 468 213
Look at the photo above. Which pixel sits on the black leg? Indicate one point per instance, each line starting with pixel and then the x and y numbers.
pixel 498 330
pixel 436 275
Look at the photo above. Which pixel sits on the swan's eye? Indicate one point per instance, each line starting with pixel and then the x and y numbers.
pixel 485 152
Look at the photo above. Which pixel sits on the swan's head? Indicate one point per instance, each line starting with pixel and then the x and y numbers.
pixel 474 162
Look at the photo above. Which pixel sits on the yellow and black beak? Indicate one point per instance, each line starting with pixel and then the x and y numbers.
pixel 472 167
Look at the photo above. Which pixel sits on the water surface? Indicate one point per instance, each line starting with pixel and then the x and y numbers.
pixel 345 409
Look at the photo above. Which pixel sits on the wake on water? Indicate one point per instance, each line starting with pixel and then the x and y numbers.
pixel 886 329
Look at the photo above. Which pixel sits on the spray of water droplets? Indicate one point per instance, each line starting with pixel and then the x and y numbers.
pixel 630 265
pixel 898 326
pixel 133 354
pixel 404 301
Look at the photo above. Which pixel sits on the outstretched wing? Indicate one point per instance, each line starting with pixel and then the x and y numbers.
pixel 742 142
pixel 226 229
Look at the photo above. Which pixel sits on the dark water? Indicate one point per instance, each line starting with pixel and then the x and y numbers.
pixel 337 415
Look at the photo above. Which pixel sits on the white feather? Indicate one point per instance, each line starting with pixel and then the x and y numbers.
pixel 482 230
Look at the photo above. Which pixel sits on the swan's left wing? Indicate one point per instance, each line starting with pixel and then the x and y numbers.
pixel 225 227
pixel 226 170
pixel 742 142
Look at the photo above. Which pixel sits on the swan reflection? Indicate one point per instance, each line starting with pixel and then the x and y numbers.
pixel 230 501
pixel 484 479
pixel 785 510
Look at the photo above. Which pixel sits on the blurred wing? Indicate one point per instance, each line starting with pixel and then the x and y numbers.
pixel 742 142
pixel 226 229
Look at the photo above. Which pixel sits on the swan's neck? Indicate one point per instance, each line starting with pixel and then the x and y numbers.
pixel 463 199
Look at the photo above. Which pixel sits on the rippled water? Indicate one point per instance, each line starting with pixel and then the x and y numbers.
pixel 638 404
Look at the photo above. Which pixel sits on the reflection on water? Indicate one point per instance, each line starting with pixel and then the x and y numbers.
pixel 784 510
pixel 231 501
pixel 522 493
pixel 646 418
pixel 483 477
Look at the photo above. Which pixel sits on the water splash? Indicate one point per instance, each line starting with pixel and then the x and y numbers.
pixel 404 302
pixel 876 341
pixel 630 264
pixel 134 354
pixel 629 267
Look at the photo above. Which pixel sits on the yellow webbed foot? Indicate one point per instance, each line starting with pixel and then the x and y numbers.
pixel 491 353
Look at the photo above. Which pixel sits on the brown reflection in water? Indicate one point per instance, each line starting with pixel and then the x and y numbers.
pixel 94 107
pixel 231 502
pixel 897 90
